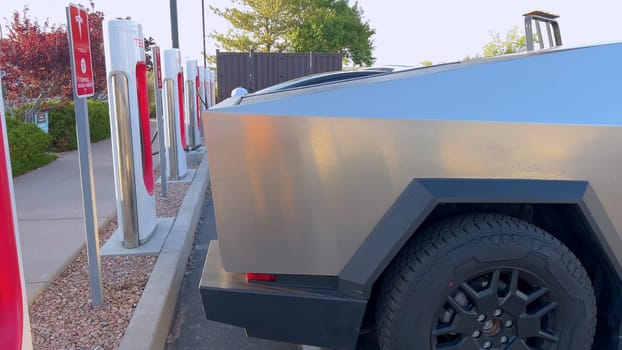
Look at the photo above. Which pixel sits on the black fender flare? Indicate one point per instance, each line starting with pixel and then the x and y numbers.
pixel 421 196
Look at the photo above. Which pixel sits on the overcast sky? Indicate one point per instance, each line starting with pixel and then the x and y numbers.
pixel 407 31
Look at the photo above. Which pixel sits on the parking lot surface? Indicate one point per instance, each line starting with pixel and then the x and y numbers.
pixel 190 329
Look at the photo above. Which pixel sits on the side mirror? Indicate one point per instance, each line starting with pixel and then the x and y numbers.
pixel 239 92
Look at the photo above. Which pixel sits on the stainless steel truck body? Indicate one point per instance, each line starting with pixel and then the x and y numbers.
pixel 462 206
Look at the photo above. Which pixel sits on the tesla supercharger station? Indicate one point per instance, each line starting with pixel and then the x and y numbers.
pixel 193 136
pixel 14 321
pixel 208 86
pixel 131 134
pixel 203 84
pixel 173 103
pixel 211 89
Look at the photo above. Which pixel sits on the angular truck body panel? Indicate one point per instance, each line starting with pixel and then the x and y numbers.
pixel 298 194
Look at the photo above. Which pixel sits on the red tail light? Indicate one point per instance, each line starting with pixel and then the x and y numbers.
pixel 260 277
pixel 145 129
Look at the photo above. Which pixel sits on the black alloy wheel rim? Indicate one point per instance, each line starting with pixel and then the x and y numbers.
pixel 500 309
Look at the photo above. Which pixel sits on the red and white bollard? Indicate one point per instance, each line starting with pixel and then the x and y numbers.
pixel 14 321
pixel 131 132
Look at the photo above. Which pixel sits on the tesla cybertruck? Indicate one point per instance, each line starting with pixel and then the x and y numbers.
pixel 472 205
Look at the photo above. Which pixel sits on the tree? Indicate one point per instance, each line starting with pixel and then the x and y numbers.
pixel 334 26
pixel 297 26
pixel 469 57
pixel 96 32
pixel 35 59
pixel 514 42
pixel 260 25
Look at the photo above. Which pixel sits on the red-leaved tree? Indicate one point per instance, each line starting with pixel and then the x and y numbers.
pixel 96 19
pixel 34 59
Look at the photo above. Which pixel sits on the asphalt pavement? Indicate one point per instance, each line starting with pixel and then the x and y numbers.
pixel 190 329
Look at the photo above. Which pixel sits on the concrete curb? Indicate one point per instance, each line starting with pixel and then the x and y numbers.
pixel 150 324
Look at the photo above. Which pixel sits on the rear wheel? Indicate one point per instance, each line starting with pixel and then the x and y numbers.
pixel 485 281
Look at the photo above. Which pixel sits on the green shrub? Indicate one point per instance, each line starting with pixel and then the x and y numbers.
pixel 63 124
pixel 28 146
pixel 99 120
pixel 62 127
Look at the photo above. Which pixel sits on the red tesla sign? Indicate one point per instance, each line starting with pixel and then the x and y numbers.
pixel 80 47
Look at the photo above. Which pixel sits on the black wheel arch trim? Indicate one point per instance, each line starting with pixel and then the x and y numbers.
pixel 421 197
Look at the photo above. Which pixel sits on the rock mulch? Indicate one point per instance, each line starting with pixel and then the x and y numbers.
pixel 62 316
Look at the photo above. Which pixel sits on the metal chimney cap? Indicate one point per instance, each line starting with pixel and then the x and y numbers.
pixel 541 14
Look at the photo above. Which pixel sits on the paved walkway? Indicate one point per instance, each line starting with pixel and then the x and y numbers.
pixel 50 214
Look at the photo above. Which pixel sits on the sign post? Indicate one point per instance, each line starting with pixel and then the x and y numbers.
pixel 157 71
pixel 83 87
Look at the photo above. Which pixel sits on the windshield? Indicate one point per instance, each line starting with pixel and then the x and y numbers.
pixel 318 79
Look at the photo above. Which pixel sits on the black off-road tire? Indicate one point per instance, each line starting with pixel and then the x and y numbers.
pixel 485 281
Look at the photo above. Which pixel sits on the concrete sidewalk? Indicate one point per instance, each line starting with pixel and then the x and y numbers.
pixel 50 214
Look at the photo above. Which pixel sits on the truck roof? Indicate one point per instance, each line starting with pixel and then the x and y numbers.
pixel 481 89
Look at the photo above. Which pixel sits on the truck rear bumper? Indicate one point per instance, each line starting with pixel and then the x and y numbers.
pixel 319 317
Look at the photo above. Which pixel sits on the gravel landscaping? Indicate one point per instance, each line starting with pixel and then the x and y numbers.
pixel 62 316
